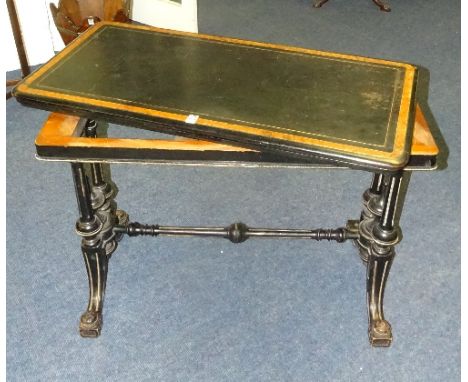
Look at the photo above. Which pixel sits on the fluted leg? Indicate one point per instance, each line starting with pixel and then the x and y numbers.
pixel 96 262
pixel 378 267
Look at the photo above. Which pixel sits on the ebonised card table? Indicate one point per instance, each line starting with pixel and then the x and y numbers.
pixel 235 103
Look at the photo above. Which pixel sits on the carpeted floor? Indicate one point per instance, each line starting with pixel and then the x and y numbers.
pixel 193 309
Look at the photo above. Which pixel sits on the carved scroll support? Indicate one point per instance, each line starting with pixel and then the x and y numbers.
pixel 98 216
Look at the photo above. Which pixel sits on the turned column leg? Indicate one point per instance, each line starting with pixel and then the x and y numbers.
pixel 371 196
pixel 102 195
pixel 385 235
pixel 373 204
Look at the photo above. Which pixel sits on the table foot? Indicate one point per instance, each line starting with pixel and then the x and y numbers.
pixel 380 334
pixel 91 324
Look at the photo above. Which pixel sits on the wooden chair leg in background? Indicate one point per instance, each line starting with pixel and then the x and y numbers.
pixel 15 26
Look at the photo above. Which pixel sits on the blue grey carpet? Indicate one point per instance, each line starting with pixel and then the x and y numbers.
pixel 193 309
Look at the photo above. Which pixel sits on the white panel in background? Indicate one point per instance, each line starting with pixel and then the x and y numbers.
pixel 56 39
pixel 179 15
pixel 34 23
pixel 10 57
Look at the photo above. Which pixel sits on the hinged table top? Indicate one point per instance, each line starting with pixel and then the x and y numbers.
pixel 290 101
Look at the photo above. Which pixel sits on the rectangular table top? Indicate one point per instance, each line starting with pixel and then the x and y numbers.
pixel 289 101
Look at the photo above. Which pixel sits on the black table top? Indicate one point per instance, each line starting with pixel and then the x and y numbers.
pixel 289 101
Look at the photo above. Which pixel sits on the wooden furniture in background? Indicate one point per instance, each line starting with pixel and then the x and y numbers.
pixel 72 17
pixel 15 26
